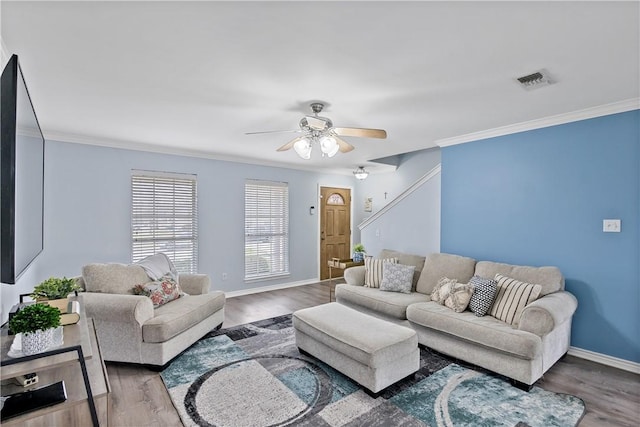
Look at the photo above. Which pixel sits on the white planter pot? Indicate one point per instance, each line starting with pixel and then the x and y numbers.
pixel 38 341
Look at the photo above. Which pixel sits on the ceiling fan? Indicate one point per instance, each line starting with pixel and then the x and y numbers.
pixel 320 130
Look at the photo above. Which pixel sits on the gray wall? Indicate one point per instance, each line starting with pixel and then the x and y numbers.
pixel 411 226
pixel 414 224
pixel 88 214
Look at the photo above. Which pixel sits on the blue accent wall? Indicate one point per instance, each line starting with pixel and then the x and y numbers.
pixel 539 198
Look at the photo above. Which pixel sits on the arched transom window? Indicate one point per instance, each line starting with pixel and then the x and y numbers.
pixel 335 199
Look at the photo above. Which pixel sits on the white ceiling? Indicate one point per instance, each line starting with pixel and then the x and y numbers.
pixel 194 77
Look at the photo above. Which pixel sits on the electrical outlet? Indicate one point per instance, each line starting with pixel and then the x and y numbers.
pixel 26 380
pixel 224 276
pixel 611 225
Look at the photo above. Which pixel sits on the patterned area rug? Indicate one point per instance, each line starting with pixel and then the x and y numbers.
pixel 253 375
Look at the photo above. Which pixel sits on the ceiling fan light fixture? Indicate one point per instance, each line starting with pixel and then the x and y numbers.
pixel 360 173
pixel 329 146
pixel 303 148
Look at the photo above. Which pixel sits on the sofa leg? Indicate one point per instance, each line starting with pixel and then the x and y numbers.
pixel 522 386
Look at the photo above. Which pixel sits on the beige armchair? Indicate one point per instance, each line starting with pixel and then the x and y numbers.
pixel 131 330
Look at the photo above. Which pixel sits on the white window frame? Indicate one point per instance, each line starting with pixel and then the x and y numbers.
pixel 266 229
pixel 164 217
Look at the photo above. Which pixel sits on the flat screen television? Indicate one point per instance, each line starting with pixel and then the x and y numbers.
pixel 21 176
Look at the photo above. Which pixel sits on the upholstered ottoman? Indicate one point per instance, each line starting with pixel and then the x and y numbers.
pixel 373 352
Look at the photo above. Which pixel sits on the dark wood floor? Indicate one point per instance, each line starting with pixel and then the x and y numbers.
pixel 612 396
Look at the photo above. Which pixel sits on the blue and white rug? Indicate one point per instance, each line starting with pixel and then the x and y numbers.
pixel 253 375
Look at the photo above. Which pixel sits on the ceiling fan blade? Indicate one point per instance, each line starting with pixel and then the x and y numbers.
pixel 364 133
pixel 345 147
pixel 289 144
pixel 272 131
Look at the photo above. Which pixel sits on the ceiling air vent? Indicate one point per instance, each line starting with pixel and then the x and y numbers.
pixel 535 80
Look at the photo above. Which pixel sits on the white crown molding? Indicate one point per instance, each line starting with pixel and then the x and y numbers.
pixel 269 288
pixel 625 365
pixel 138 146
pixel 426 177
pixel 558 119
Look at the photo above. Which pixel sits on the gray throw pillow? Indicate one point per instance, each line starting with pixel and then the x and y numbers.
pixel 373 271
pixel 397 277
pixel 484 292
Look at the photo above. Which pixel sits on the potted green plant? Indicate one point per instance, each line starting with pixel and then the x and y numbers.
pixel 55 291
pixel 37 324
pixel 358 252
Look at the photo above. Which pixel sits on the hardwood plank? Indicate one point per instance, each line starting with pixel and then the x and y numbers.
pixel 139 398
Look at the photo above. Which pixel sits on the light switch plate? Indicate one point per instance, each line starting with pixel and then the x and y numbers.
pixel 611 225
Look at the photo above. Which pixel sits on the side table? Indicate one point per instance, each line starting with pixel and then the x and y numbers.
pixel 341 264
pixel 78 363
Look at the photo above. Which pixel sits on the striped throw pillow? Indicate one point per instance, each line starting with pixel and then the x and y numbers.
pixel 512 297
pixel 373 270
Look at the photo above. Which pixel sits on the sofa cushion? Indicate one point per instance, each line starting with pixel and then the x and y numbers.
pixel 373 270
pixel 396 277
pixel 393 304
pixel 484 293
pixel 438 265
pixel 549 278
pixel 113 278
pixel 486 331
pixel 406 259
pixel 513 296
pixel 179 315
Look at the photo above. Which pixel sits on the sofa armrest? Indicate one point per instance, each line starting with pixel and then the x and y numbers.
pixel 354 275
pixel 195 284
pixel 544 314
pixel 117 307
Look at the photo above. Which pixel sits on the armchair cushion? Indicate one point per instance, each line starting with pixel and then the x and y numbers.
pixel 195 284
pixel 113 278
pixel 181 314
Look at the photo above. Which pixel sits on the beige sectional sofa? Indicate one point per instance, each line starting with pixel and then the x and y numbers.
pixel 523 352
pixel 128 326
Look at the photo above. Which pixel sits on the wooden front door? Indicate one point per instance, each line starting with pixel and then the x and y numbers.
pixel 335 228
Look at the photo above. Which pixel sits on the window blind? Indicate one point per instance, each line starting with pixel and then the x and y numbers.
pixel 266 226
pixel 164 218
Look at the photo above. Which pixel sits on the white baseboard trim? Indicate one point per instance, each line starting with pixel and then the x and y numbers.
pixel 270 288
pixel 625 365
